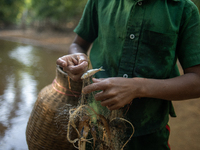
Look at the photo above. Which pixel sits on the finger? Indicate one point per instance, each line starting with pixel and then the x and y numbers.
pixel 74 77
pixel 61 62
pixel 78 69
pixel 82 58
pixel 73 61
pixel 75 72
pixel 101 96
pixel 69 60
pixel 113 107
pixel 107 102
pixel 95 80
pixel 93 87
pixel 112 103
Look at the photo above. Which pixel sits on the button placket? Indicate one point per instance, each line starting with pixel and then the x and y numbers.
pixel 130 46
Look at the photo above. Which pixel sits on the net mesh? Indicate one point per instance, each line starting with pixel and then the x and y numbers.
pixel 96 127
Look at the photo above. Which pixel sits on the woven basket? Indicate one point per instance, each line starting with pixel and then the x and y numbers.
pixel 47 125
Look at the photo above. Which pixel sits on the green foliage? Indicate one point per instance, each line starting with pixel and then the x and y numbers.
pixel 53 11
pixel 10 9
pixel 58 10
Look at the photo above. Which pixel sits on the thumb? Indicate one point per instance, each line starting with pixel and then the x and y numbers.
pixel 78 69
pixel 82 58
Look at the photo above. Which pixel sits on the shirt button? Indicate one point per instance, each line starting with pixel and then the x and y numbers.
pixel 125 76
pixel 132 36
pixel 140 3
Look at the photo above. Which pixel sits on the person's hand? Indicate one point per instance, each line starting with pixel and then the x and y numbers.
pixel 74 65
pixel 115 92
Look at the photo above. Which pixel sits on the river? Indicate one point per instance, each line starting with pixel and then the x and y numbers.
pixel 24 71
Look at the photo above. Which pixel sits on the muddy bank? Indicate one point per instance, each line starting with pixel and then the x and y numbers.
pixel 47 39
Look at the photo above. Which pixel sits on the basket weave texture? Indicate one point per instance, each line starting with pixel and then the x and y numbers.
pixel 47 125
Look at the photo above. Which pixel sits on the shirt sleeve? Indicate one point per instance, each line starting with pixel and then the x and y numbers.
pixel 188 48
pixel 88 24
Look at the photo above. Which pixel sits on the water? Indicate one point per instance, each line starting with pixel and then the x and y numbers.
pixel 24 71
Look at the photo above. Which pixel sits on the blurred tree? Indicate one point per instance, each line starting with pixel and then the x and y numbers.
pixel 57 12
pixel 10 9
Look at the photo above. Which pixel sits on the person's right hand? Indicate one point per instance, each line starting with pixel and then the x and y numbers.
pixel 74 65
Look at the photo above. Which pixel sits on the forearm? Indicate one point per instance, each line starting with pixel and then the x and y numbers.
pixel 79 46
pixel 183 87
pixel 75 48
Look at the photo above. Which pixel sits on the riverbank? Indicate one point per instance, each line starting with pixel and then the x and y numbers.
pixel 52 40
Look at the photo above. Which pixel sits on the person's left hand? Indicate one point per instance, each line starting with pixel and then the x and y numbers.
pixel 115 92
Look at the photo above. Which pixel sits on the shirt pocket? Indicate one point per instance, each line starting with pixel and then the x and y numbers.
pixel 159 40
pixel 156 54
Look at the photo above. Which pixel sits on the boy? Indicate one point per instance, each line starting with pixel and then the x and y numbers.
pixel 138 43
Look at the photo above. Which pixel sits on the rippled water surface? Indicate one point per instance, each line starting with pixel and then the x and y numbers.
pixel 24 71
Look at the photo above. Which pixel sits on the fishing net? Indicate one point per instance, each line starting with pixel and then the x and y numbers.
pixel 96 127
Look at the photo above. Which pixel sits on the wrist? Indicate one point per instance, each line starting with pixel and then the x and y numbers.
pixel 139 83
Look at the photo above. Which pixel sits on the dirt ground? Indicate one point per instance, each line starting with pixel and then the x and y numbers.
pixel 185 128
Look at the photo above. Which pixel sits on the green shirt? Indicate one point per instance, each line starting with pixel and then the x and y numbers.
pixel 142 38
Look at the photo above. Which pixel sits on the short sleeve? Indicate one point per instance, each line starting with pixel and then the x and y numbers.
pixel 188 48
pixel 88 24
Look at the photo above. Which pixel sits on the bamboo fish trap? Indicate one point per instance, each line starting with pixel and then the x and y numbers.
pixel 46 128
